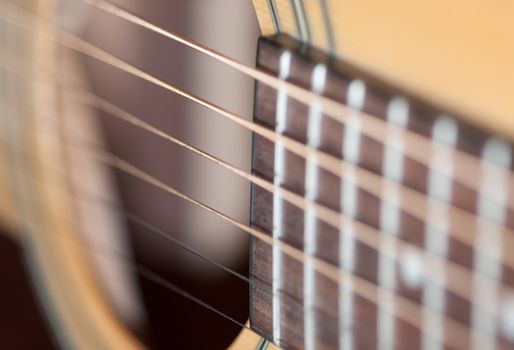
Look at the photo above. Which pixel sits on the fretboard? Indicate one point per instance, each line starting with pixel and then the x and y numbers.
pixel 434 249
pixel 459 54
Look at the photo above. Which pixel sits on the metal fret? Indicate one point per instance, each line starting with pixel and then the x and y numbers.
pixel 493 182
pixel 390 216
pixel 281 124
pixel 342 318
pixel 349 206
pixel 310 216
pixel 440 186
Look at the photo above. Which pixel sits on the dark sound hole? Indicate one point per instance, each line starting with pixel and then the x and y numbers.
pixel 172 319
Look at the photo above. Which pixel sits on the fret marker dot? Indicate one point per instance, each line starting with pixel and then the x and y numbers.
pixel 412 269
pixel 507 318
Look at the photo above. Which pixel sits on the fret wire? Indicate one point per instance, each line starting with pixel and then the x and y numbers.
pixel 134 218
pixel 390 216
pixel 458 285
pixel 445 130
pixel 498 151
pixel 460 274
pixel 318 80
pixel 349 205
pixel 104 156
pixel 324 268
pixel 464 232
pixel 409 310
pixel 109 205
pixel 419 146
pixel 371 182
pixel 116 209
pixel 278 179
pixel 418 143
pixel 453 322
pixel 364 233
pixel 81 195
pixel 130 216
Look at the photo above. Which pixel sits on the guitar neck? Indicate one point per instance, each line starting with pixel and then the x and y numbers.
pixel 458 55
pixel 402 217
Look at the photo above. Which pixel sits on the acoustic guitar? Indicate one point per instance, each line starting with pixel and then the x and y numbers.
pixel 351 187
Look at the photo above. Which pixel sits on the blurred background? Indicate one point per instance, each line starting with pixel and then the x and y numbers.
pixel 229 26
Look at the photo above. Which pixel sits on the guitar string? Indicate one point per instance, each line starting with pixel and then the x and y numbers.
pixel 82 195
pixel 373 127
pixel 68 191
pixel 117 210
pixel 464 225
pixel 465 231
pixel 419 146
pixel 365 288
pixel 161 280
pixel 461 276
pixel 331 43
pixel 120 164
pixel 453 173
pixel 407 310
pixel 367 233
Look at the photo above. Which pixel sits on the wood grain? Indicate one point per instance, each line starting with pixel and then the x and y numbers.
pixel 456 54
pixel 412 230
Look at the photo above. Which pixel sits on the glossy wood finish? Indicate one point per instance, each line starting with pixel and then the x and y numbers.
pixel 457 54
pixel 63 278
pixel 422 118
pixel 37 199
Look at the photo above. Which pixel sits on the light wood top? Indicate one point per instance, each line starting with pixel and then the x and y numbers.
pixel 457 54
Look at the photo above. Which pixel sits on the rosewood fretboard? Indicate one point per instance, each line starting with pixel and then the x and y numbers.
pixel 297 307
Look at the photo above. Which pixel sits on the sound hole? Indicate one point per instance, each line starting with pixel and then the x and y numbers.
pixel 172 320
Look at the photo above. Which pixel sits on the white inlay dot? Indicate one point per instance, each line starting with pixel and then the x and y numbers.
pixel 412 269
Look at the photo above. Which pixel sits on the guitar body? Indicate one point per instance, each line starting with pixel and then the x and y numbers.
pixel 371 201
